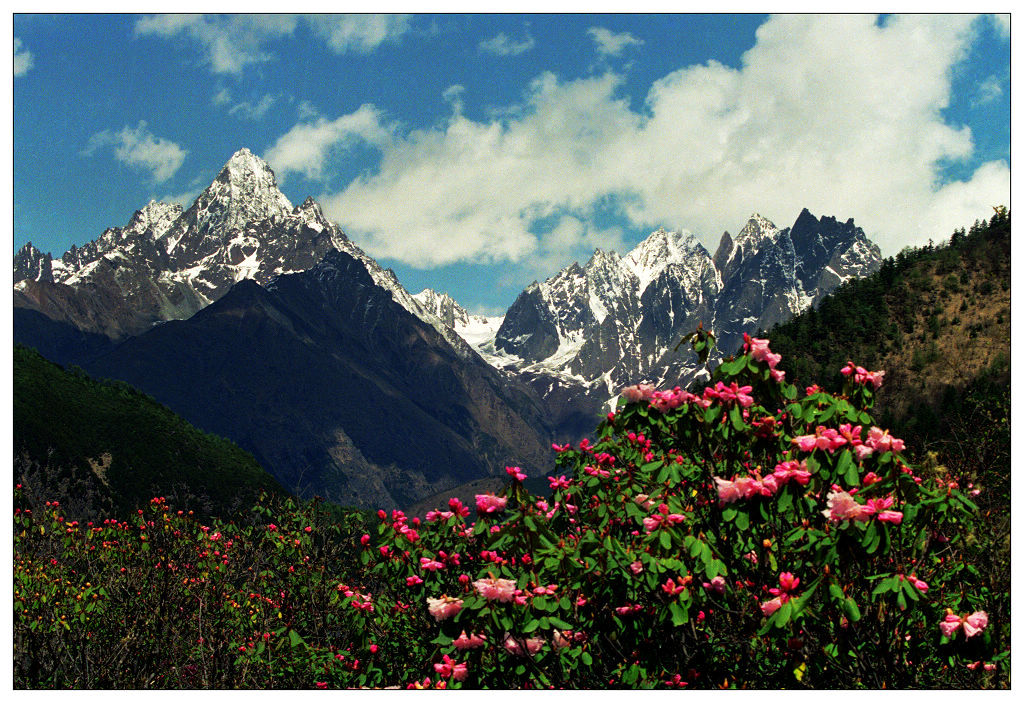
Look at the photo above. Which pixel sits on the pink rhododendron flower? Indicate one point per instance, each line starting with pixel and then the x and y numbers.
pixel 769 607
pixel 717 584
pixel 515 472
pixel 463 642
pixel 493 588
pixel 842 506
pixel 670 587
pixel 788 582
pixel 792 470
pixel 881 441
pixel 634 394
pixel 560 482
pixel 893 516
pixel 728 492
pixel 413 581
pixel 444 607
pixel 975 623
pixel 515 645
pixel 428 564
pixel 490 503
pixel 949 624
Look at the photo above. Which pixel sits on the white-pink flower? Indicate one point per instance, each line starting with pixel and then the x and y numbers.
pixel 494 588
pixel 444 607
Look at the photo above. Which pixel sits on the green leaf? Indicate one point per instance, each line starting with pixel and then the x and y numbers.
pixel 728 514
pixel 795 410
pixel 586 659
pixel 665 538
pixel 679 615
pixel 559 623
pixel 531 626
pixel 835 591
pixel 847 468
pixel 884 586
pixel 294 639
pixel 742 520
pixel 851 609
pixel 736 417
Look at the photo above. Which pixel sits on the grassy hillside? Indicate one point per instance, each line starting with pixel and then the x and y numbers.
pixel 102 446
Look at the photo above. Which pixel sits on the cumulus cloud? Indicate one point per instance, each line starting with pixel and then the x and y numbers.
pixel 138 148
pixel 610 43
pixel 306 147
pixel 23 58
pixel 502 44
pixel 359 34
pixel 833 113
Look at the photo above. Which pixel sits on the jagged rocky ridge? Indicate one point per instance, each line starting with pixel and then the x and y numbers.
pixel 586 332
pixel 168 263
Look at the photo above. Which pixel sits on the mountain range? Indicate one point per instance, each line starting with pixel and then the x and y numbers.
pixel 265 323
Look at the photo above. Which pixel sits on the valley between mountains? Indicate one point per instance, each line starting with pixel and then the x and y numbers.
pixel 263 322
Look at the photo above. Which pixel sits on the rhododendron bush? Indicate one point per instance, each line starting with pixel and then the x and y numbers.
pixel 755 534
pixel 750 535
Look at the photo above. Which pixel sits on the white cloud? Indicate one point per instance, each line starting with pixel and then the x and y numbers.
pixel 1002 24
pixel 360 34
pixel 137 147
pixel 832 113
pixel 230 43
pixel 988 90
pixel 503 45
pixel 245 109
pixel 23 59
pixel 305 148
pixel 610 43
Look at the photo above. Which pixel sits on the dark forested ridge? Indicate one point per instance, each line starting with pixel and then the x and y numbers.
pixel 937 320
pixel 103 446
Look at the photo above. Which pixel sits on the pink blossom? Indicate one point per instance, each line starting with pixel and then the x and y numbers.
pixel 717 584
pixel 769 607
pixel 560 482
pixel 788 582
pixel 457 507
pixel 428 564
pixel 463 641
pixel 493 588
pixel 975 623
pixel 413 581
pixel 893 516
pixel 636 567
pixel 792 470
pixel 444 607
pixel 670 587
pixel 728 492
pixel 842 506
pixel 949 624
pixel 918 583
pixel 634 394
pixel 515 472
pixel 490 503
pixel 515 646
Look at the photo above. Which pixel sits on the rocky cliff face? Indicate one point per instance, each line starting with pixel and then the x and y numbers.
pixel 589 330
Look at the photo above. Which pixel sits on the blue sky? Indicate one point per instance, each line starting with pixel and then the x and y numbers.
pixel 476 153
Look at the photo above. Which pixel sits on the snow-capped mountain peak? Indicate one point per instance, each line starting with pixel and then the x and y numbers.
pixel 660 249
